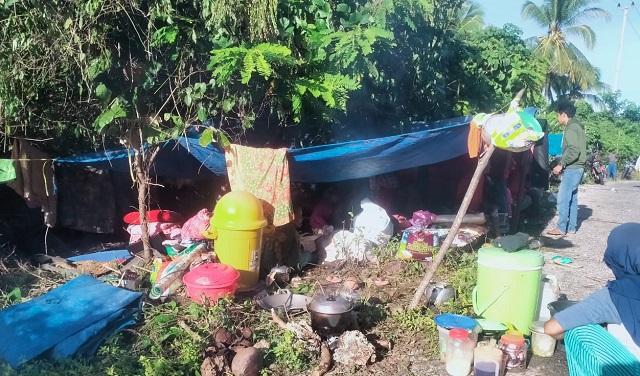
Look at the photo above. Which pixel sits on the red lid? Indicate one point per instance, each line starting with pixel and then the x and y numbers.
pixel 163 216
pixel 458 333
pixel 212 275
pixel 512 339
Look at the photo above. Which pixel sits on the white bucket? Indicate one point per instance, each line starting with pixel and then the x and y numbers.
pixel 542 345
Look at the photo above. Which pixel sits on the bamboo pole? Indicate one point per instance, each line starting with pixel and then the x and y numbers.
pixel 453 232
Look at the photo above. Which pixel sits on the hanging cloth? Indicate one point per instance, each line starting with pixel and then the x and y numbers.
pixel 7 171
pixel 34 179
pixel 474 140
pixel 263 172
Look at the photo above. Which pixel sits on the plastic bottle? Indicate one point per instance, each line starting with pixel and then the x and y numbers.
pixel 459 356
pixel 487 361
pixel 515 351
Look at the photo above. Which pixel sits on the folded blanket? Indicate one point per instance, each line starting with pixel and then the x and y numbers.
pixel 71 320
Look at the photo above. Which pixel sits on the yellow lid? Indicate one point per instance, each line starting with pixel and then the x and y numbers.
pixel 238 210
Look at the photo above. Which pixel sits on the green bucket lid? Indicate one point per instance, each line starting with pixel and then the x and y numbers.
pixel 524 259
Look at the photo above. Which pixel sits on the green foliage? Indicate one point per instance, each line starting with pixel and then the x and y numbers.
pixel 288 352
pixel 11 298
pixel 417 321
pixel 498 65
pixel 568 67
pixel 462 275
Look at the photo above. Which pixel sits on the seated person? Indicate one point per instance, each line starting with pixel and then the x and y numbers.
pixel 617 303
pixel 322 213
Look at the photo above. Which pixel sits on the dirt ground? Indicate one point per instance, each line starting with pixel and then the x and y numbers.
pixel 601 208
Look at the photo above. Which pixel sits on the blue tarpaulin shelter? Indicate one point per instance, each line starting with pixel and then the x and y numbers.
pixel 185 158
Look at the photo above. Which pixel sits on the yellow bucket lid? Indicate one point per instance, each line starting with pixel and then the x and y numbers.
pixel 238 210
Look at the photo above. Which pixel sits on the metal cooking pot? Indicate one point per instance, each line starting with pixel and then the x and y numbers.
pixel 290 303
pixel 438 293
pixel 330 315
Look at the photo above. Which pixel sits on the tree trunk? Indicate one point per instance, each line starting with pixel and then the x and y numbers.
pixel 142 183
pixel 482 164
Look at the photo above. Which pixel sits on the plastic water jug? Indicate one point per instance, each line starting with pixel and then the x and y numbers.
pixel 508 285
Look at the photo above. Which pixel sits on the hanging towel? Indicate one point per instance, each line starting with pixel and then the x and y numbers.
pixel 263 172
pixel 7 170
pixel 71 320
pixel 34 179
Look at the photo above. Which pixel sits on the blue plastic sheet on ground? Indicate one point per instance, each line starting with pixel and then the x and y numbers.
pixel 103 256
pixel 71 320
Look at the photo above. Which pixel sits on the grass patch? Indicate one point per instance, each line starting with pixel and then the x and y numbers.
pixel 172 337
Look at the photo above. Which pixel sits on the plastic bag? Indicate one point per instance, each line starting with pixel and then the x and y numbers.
pixel 194 226
pixel 373 223
pixel 423 218
pixel 514 131
pixel 346 245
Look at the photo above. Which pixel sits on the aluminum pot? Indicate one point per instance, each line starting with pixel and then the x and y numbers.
pixel 330 315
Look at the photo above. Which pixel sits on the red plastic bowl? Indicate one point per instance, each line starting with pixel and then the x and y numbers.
pixel 212 281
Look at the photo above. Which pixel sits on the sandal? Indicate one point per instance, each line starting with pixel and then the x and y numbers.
pixel 555 232
pixel 565 261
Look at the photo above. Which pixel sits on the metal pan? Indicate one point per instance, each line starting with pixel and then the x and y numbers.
pixel 290 303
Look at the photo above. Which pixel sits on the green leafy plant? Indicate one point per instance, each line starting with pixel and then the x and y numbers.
pixel 288 352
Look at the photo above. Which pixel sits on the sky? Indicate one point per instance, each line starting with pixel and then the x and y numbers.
pixel 605 53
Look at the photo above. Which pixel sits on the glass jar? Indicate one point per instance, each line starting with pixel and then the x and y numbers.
pixel 459 355
pixel 515 351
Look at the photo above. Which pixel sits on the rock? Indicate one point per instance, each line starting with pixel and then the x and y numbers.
pixel 222 338
pixel 247 362
pixel 263 344
pixel 246 333
pixel 353 348
pixel 214 366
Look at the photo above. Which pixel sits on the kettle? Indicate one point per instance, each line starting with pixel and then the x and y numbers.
pixel 438 293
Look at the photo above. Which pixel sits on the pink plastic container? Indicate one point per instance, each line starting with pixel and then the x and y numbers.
pixel 213 281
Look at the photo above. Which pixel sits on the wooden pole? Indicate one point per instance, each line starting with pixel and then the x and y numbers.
pixel 453 232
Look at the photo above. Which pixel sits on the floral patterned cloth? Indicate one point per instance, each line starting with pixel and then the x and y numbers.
pixel 265 173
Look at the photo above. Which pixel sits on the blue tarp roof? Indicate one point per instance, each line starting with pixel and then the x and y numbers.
pixel 185 158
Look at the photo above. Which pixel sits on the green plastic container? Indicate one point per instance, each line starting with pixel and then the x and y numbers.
pixel 508 286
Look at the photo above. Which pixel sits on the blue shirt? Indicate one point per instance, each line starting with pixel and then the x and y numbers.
pixel 597 308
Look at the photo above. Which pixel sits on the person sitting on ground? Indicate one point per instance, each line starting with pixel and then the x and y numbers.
pixel 323 211
pixel 617 303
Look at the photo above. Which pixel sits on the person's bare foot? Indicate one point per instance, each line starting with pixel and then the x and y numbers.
pixel 555 232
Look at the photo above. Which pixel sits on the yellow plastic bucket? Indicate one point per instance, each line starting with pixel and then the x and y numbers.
pixel 236 228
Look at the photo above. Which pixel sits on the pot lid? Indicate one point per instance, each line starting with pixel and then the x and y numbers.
pixel 330 304
pixel 212 275
pixel 491 325
pixel 450 321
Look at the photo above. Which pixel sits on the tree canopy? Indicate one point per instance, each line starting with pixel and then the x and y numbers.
pixel 94 73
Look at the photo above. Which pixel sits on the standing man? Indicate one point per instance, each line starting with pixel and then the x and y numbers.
pixel 574 155
pixel 612 168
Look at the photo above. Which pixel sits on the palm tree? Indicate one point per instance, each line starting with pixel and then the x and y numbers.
pixel 470 17
pixel 564 18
